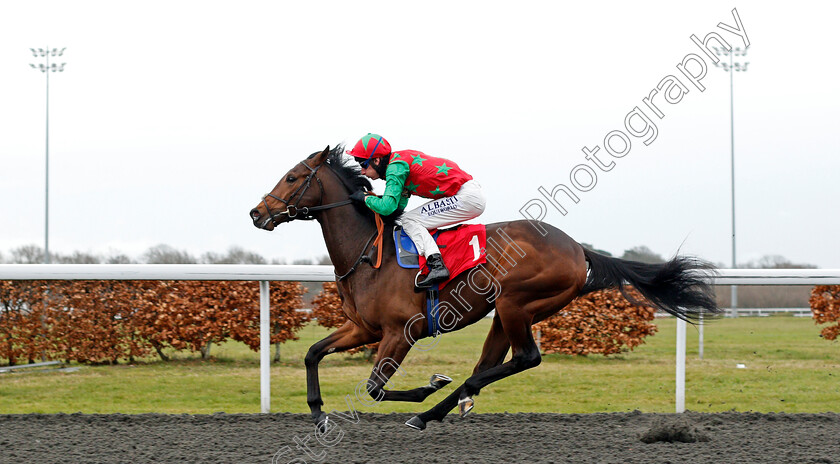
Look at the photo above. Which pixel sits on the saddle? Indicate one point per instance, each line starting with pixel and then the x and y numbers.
pixel 462 247
pixel 407 255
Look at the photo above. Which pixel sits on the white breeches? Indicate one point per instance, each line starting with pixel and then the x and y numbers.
pixel 467 204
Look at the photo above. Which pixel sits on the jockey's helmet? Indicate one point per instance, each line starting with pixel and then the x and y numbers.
pixel 369 147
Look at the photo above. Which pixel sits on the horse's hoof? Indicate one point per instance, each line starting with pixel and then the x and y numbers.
pixel 416 423
pixel 465 405
pixel 322 422
pixel 439 381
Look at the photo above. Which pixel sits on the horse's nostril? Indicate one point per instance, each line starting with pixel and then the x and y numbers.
pixel 255 215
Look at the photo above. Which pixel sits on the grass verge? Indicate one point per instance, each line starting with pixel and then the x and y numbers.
pixel 788 368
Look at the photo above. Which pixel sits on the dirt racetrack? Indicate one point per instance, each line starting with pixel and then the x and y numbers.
pixel 380 438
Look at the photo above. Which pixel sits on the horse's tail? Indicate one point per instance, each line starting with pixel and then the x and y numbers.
pixel 679 286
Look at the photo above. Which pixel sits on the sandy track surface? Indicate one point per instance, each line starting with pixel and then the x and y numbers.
pixel 379 438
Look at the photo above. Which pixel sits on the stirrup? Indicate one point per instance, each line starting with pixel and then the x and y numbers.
pixel 432 283
pixel 417 278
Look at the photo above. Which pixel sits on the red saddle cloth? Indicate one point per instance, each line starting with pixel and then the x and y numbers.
pixel 462 248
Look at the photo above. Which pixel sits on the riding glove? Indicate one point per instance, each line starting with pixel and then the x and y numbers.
pixel 359 196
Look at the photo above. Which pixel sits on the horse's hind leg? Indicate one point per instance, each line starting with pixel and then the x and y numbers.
pixel 347 337
pixel 517 327
pixel 392 352
pixel 496 347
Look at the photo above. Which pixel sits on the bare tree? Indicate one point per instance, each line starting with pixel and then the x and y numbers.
pixel 28 254
pixel 118 258
pixel 642 254
pixel 589 246
pixel 770 296
pixel 235 255
pixel 776 262
pixel 165 254
pixel 78 257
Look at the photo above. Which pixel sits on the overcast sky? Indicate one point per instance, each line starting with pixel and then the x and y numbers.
pixel 171 119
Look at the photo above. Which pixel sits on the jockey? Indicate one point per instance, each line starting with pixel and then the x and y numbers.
pixel 455 196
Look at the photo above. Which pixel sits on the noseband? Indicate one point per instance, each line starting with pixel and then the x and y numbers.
pixel 305 213
pixel 292 210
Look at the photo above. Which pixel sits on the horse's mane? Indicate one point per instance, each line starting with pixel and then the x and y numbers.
pixel 347 170
pixel 350 175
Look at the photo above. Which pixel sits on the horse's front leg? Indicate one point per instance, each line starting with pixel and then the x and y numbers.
pixel 347 337
pixel 392 352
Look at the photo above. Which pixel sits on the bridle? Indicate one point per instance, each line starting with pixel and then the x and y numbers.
pixel 304 213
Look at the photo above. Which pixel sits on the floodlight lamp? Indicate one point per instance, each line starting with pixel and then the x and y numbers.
pixel 34 53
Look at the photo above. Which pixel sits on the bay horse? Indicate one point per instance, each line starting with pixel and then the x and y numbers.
pixel 533 270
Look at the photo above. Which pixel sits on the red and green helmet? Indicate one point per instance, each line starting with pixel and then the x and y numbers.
pixel 371 146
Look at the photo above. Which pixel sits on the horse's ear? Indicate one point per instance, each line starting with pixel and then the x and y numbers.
pixel 321 157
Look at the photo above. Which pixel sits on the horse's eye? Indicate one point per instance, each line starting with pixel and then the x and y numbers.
pixel 291 178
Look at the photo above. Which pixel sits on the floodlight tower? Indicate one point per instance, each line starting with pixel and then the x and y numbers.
pixel 47 68
pixel 732 67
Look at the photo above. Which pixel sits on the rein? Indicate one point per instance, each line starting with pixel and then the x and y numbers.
pixel 306 214
pixel 292 210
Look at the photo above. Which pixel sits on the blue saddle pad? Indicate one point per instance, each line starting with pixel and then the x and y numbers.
pixel 407 256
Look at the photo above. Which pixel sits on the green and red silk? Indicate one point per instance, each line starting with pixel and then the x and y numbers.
pixel 431 177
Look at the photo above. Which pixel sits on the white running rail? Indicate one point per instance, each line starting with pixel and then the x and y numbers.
pixel 267 273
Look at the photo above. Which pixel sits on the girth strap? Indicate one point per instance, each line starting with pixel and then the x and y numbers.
pixel 432 311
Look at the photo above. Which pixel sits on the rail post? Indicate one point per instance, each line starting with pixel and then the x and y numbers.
pixel 680 365
pixel 265 348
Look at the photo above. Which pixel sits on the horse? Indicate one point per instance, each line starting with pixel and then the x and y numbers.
pixel 533 270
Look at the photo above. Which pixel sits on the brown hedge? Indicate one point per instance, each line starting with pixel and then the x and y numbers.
pixel 601 322
pixel 825 307
pixel 105 321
